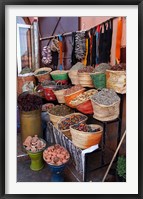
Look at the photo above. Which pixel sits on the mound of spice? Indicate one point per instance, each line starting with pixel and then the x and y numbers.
pixel 47 107
pixel 85 128
pixel 87 69
pixel 56 155
pixel 106 97
pixel 77 66
pixel 119 67
pixel 34 144
pixel 61 87
pixel 26 70
pixel 73 89
pixel 29 102
pixel 102 67
pixel 71 120
pixel 61 110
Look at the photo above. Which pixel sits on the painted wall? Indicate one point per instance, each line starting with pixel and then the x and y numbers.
pixel 89 22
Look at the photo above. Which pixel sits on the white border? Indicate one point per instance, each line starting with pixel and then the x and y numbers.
pixel 131 186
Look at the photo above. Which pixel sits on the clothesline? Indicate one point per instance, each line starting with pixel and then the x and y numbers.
pixel 69 33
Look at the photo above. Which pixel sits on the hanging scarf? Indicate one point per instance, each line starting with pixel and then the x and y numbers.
pixel 73 57
pixel 61 52
pixel 84 61
pixel 97 44
pixel 93 58
pixel 118 40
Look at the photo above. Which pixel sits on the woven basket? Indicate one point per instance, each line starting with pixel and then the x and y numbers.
pixel 116 80
pixel 54 119
pixel 73 75
pixel 85 140
pixel 85 107
pixel 67 131
pixel 69 98
pixel 21 80
pixel 99 80
pixel 104 112
pixel 85 80
pixel 59 75
pixel 60 95
pixel 44 76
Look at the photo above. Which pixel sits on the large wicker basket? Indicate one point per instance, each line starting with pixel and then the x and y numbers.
pixel 45 76
pixel 116 80
pixel 67 131
pixel 104 112
pixel 85 80
pixel 54 119
pixel 70 97
pixel 73 75
pixel 21 80
pixel 85 140
pixel 60 95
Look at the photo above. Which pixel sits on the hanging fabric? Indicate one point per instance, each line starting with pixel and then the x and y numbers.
pixel 101 43
pixel 88 56
pixel 93 57
pixel 97 43
pixel 46 55
pixel 73 57
pixel 84 61
pixel 60 52
pixel 109 39
pixel 80 45
pixel 118 40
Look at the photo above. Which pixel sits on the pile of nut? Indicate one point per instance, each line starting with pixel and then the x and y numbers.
pixel 83 97
pixel 73 89
pixel 119 67
pixel 87 69
pixel 106 97
pixel 61 110
pixel 34 144
pixel 85 128
pixel 56 155
pixel 71 120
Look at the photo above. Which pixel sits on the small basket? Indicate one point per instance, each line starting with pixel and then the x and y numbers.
pixel 85 80
pixel 44 76
pixel 85 140
pixel 70 97
pixel 73 75
pixel 104 112
pixel 54 119
pixel 116 80
pixel 59 75
pixel 99 80
pixel 67 131
pixel 60 95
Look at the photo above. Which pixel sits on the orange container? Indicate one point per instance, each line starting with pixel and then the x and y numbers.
pixel 85 107
pixel 69 98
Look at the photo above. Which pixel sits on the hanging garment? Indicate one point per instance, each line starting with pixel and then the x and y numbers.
pixel 73 57
pixel 88 56
pixel 46 55
pixel 105 44
pixel 97 43
pixel 109 38
pixel 93 57
pixel 118 40
pixel 84 61
pixel 80 45
pixel 55 56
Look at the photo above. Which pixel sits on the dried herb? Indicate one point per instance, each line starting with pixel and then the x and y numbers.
pixel 29 102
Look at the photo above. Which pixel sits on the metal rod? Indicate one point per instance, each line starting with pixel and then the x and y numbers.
pixel 69 33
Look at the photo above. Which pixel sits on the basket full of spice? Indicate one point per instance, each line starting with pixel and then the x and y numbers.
pixel 86 135
pixel 84 76
pixel 71 93
pixel 59 111
pixel 65 123
pixel 83 103
pixel 59 92
pixel 106 105
pixel 43 74
pixel 116 78
pixel 73 72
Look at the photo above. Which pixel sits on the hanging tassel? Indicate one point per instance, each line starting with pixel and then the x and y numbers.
pixel 118 40
pixel 61 52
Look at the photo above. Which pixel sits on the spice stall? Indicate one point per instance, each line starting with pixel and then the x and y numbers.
pixel 78 104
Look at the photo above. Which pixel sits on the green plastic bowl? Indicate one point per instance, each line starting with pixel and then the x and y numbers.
pixel 59 75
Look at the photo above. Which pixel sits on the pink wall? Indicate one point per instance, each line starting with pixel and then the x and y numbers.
pixel 89 22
